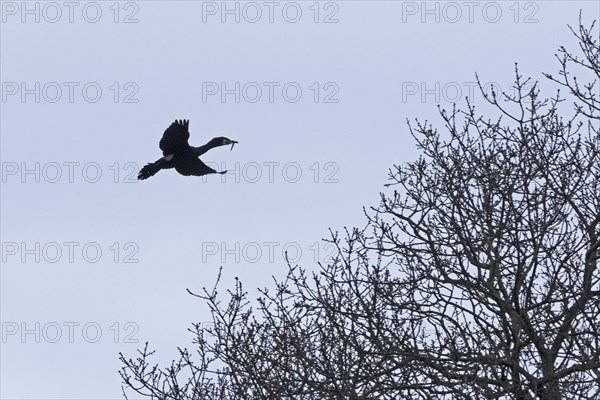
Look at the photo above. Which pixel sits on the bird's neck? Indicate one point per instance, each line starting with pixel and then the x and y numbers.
pixel 198 151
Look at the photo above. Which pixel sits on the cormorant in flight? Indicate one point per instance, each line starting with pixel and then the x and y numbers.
pixel 180 155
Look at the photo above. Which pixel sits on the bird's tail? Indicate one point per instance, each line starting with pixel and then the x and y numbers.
pixel 149 170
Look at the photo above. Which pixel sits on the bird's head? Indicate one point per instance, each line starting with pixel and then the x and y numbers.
pixel 224 142
pixel 219 141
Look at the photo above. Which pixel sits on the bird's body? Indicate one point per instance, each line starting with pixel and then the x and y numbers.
pixel 178 154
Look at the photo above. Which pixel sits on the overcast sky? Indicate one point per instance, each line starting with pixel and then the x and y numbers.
pixel 317 94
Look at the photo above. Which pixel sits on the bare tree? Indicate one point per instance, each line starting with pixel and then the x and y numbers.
pixel 476 277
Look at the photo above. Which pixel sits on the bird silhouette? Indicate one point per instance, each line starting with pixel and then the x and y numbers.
pixel 180 155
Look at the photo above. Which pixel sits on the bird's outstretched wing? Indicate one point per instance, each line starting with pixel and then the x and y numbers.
pixel 195 167
pixel 175 138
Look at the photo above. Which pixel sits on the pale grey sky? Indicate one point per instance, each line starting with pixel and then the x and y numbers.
pixel 317 94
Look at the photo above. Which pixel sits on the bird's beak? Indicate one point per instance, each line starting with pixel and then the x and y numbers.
pixel 233 142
